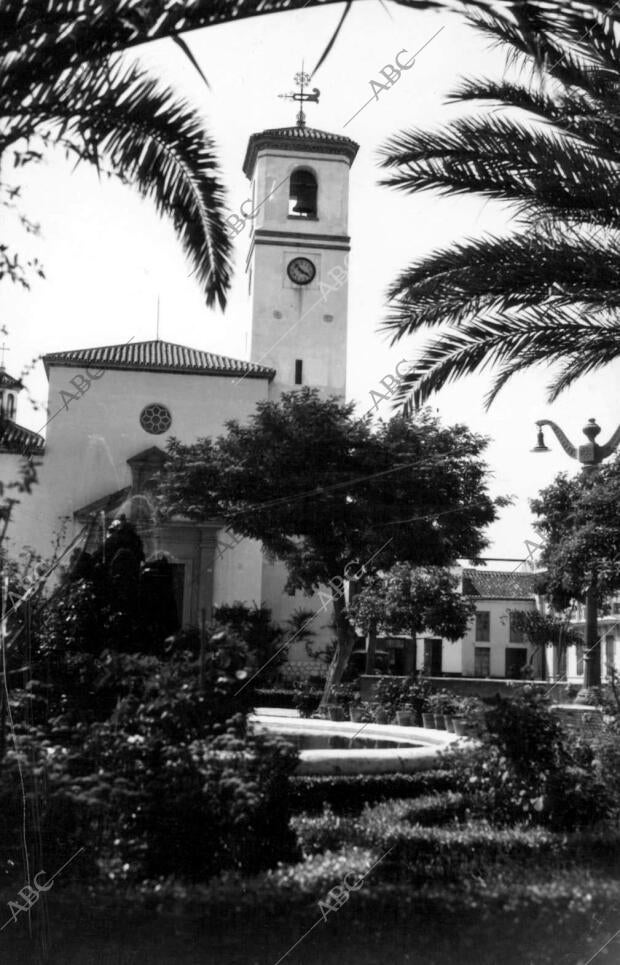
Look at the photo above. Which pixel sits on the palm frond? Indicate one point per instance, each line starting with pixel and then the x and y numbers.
pixel 186 51
pixel 58 35
pixel 593 354
pixel 500 158
pixel 149 138
pixel 532 32
pixel 333 37
pixel 514 343
pixel 591 118
pixel 533 298
pixel 496 273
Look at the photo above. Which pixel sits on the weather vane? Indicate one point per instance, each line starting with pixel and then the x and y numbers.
pixel 302 80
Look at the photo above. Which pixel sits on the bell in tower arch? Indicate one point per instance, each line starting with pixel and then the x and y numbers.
pixel 303 192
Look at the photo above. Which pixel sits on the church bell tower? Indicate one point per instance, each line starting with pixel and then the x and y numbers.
pixel 299 251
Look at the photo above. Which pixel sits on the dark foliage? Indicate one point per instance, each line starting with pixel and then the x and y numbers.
pixel 406 489
pixel 395 694
pixel 529 770
pixel 154 772
pixel 254 626
pixel 579 520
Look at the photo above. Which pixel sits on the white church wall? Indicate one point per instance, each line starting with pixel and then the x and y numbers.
pixel 283 605
pixel 27 514
pixel 90 438
pixel 237 572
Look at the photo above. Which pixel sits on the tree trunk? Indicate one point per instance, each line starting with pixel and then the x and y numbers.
pixel 371 649
pixel 592 654
pixel 543 661
pixel 203 648
pixel 344 648
pixel 414 643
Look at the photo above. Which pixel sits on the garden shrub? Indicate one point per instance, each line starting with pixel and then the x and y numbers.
pixel 142 806
pixel 328 831
pixel 253 625
pixel 349 793
pixel 527 769
pixel 419 853
pixel 394 694
pixel 608 760
pixel 166 779
pixel 190 810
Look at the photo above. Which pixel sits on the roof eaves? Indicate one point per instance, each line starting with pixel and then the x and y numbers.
pixel 253 371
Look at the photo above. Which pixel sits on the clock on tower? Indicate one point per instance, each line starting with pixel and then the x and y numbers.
pixel 298 252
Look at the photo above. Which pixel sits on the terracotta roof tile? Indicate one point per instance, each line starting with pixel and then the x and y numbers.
pixel 298 138
pixel 157 356
pixel 8 382
pixel 496 585
pixel 17 439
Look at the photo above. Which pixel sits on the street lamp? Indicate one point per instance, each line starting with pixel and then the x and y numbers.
pixel 590 455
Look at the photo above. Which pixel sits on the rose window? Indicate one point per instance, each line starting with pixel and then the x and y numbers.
pixel 155 418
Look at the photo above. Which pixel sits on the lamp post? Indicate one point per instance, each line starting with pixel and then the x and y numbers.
pixel 590 455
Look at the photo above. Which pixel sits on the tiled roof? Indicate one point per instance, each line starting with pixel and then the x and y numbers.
pixel 298 139
pixel 106 504
pixel 15 438
pixel 8 382
pixel 495 585
pixel 156 356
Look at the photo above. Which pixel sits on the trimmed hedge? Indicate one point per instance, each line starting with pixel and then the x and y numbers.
pixel 568 887
pixel 422 855
pixel 349 793
pixel 330 831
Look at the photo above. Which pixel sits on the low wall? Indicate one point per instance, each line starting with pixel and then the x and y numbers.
pixel 482 687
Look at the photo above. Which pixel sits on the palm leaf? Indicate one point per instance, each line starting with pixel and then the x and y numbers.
pixel 502 158
pixel 514 342
pixel 150 139
pixel 185 49
pixel 334 37
pixel 454 284
pixel 59 35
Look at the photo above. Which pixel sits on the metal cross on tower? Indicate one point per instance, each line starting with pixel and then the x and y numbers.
pixel 3 348
pixel 302 80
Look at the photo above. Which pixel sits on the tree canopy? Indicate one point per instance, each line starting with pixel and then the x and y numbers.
pixel 408 599
pixel 579 519
pixel 334 492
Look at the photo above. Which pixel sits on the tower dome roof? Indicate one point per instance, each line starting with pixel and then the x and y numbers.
pixel 296 138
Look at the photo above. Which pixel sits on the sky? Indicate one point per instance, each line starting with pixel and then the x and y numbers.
pixel 109 260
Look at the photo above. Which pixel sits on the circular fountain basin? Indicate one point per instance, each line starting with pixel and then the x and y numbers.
pixel 414 748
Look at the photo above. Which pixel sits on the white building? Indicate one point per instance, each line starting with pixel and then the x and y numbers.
pixel 492 646
pixel 113 408
pixel 570 664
